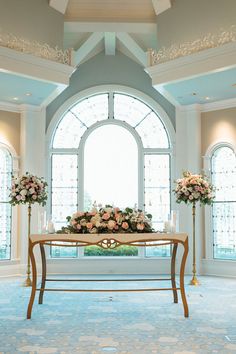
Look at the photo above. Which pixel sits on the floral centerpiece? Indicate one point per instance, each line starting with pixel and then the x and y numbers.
pixel 28 189
pixel 108 220
pixel 193 188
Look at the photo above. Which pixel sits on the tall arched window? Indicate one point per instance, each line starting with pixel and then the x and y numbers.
pixel 111 148
pixel 223 170
pixel 5 207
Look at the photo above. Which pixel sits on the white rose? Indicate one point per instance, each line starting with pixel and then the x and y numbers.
pixel 32 190
pixel 23 192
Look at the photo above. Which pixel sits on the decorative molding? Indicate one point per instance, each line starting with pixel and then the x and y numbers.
pixel 195 107
pixel 208 107
pixel 208 61
pixel 42 50
pixel 218 105
pixel 28 65
pixel 181 50
pixel 9 107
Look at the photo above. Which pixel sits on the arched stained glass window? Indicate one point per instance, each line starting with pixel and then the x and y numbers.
pixel 223 170
pixel 110 148
pixel 5 207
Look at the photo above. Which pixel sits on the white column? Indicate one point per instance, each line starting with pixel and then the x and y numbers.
pixel 188 158
pixel 32 160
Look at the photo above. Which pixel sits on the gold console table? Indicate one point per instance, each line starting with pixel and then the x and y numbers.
pixel 108 241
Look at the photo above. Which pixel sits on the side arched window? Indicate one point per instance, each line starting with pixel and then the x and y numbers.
pixel 5 207
pixel 223 171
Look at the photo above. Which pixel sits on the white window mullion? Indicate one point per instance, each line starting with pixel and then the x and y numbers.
pixel 111 105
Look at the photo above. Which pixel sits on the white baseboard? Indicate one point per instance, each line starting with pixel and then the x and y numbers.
pixel 222 268
pixel 118 266
pixel 109 266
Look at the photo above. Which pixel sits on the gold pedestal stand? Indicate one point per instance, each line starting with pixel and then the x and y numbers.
pixel 194 280
pixel 28 281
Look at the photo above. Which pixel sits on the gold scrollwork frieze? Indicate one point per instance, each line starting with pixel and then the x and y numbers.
pixel 180 50
pixel 42 50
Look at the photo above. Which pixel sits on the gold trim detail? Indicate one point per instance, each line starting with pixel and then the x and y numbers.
pixel 42 50
pixel 206 42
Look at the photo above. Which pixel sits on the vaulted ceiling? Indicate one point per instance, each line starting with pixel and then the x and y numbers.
pixel 128 26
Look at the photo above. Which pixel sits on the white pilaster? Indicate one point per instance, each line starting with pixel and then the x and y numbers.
pixel 188 158
pixel 33 122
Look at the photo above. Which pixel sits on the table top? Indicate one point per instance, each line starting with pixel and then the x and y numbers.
pixel 119 237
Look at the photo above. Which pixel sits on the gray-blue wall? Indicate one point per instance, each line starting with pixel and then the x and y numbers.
pixel 104 70
pixel 32 20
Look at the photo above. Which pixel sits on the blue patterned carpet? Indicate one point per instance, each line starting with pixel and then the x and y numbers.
pixel 135 323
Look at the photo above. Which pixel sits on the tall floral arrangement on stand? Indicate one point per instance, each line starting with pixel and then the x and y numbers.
pixel 28 189
pixel 190 189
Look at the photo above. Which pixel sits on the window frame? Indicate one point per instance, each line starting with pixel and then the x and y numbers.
pixel 110 89
pixel 209 240
pixel 14 219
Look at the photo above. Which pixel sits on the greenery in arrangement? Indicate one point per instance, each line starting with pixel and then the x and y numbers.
pixel 28 189
pixel 118 251
pixel 193 188
pixel 108 220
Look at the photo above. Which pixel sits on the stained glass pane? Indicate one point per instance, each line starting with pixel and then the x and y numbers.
pixel 64 196
pixel 224 174
pixel 5 208
pixel 129 109
pixel 152 132
pixel 157 196
pixel 224 205
pixel 68 132
pixel 92 109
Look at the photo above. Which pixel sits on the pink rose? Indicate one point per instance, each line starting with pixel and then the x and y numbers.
pixel 78 227
pixel 125 225
pixel 106 216
pixel 140 227
pixel 89 225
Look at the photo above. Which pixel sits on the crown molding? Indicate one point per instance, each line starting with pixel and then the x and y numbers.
pixel 190 108
pixel 30 108
pixel 9 107
pixel 215 106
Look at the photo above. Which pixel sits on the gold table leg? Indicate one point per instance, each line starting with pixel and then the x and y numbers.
pixel 34 281
pixel 182 290
pixel 173 260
